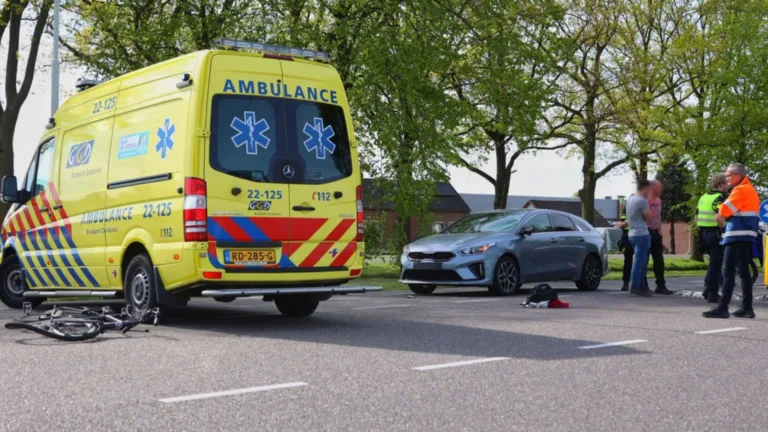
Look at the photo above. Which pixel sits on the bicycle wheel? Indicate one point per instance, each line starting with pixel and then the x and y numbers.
pixel 60 329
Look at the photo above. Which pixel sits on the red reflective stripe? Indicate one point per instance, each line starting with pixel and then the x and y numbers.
pixel 340 230
pixel 316 254
pixel 302 229
pixel 233 229
pixel 47 204
pixel 39 215
pixel 290 248
pixel 275 228
pixel 28 216
pixel 345 255
pixel 57 201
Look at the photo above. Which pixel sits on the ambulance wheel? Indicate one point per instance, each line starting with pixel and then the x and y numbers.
pixel 296 306
pixel 14 285
pixel 225 299
pixel 422 288
pixel 139 286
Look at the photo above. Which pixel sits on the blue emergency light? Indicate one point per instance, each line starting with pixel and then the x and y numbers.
pixel 274 49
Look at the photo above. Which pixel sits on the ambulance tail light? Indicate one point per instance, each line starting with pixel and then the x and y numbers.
pixel 360 230
pixel 195 210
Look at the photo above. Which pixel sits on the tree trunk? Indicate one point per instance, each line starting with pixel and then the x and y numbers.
pixel 501 189
pixel 672 246
pixel 589 179
pixel 696 254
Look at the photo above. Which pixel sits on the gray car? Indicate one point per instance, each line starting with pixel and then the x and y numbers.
pixel 504 249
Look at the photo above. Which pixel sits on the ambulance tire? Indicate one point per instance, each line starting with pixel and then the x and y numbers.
pixel 139 285
pixel 14 285
pixel 296 306
pixel 225 299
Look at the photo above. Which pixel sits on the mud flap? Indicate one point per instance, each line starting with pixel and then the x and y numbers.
pixel 165 298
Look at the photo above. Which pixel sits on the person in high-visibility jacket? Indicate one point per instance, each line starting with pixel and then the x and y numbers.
pixel 739 214
pixel 710 235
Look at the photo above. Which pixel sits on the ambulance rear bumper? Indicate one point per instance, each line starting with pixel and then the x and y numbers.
pixel 245 292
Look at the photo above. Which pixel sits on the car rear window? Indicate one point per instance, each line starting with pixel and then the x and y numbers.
pixel 561 223
pixel 253 137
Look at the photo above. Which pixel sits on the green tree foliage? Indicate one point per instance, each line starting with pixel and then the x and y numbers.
pixel 676 177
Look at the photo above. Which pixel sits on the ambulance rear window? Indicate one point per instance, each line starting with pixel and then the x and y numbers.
pixel 254 137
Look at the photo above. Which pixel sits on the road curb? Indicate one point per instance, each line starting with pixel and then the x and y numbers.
pixel 736 297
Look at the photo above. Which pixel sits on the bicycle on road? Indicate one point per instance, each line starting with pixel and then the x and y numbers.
pixel 80 324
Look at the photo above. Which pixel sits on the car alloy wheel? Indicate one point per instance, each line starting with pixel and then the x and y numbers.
pixel 507 277
pixel 591 274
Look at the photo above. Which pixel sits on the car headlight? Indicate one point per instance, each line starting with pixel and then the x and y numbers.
pixel 476 249
pixel 406 248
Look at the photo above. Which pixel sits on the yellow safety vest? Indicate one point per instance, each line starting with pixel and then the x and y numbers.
pixel 707 209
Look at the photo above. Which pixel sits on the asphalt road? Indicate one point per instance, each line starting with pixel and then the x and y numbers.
pixel 456 360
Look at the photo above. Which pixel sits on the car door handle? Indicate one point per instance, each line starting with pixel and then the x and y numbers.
pixel 303 208
pixel 554 240
pixel 581 239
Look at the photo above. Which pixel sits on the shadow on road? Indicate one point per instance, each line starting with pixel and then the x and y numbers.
pixel 378 332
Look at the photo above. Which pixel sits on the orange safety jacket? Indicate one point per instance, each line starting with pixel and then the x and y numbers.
pixel 742 213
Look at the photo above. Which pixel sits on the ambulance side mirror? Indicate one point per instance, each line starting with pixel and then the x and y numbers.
pixel 9 191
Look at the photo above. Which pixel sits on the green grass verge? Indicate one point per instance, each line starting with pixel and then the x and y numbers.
pixel 386 275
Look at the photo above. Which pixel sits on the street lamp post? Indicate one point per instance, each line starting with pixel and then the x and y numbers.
pixel 55 65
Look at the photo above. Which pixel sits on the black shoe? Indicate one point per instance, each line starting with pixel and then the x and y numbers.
pixel 625 287
pixel 714 298
pixel 744 313
pixel 663 290
pixel 705 294
pixel 716 312
pixel 640 292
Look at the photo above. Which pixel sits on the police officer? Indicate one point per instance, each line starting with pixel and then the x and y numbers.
pixel 740 216
pixel 710 235
pixel 626 248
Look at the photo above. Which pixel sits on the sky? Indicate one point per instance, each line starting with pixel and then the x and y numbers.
pixel 544 174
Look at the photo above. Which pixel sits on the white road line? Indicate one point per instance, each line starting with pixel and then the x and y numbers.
pixel 461 363
pixel 477 300
pixel 567 295
pixel 232 392
pixel 721 330
pixel 620 292
pixel 380 307
pixel 629 342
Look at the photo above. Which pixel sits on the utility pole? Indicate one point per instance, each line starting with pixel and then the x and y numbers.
pixel 55 65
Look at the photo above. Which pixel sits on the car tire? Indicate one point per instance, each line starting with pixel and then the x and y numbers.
pixel 506 277
pixel 591 274
pixel 296 306
pixel 13 284
pixel 225 299
pixel 422 288
pixel 139 285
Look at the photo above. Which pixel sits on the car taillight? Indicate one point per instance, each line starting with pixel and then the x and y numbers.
pixel 360 235
pixel 195 210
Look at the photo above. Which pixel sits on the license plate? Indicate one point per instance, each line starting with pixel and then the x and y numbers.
pixel 428 266
pixel 249 257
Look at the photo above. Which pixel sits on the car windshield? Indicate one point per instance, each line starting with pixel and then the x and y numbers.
pixel 486 222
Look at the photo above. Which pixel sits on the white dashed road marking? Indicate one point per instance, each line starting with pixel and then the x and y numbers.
pixel 477 300
pixel 380 307
pixel 461 363
pixel 721 330
pixel 233 392
pixel 629 342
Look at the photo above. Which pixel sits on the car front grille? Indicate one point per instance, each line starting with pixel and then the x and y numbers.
pixel 432 275
pixel 431 256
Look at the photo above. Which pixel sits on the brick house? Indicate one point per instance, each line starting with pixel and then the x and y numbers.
pixel 446 207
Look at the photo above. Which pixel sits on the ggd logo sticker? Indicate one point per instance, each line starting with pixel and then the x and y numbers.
pixel 80 154
pixel 260 205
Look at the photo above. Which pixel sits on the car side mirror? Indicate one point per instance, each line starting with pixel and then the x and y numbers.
pixel 9 190
pixel 526 231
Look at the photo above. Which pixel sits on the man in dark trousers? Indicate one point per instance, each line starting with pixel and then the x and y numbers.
pixel 740 215
pixel 710 235
pixel 657 245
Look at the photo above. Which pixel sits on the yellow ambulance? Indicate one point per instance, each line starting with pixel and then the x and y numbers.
pixel 223 174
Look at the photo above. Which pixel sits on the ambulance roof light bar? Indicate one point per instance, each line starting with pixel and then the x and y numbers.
pixel 276 49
